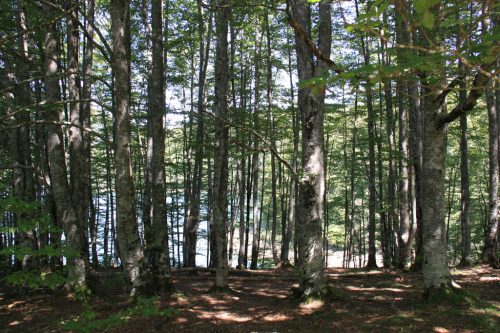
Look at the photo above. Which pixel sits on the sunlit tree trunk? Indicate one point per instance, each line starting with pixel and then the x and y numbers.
pixel 312 184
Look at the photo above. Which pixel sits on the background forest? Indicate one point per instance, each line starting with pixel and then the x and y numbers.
pixel 262 134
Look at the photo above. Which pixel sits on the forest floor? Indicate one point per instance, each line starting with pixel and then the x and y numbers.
pixel 260 301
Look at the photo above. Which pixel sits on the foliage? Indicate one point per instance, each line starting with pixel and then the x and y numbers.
pixel 88 321
pixel 28 217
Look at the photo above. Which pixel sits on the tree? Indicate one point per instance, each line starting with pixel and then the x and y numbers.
pixel 129 243
pixel 156 247
pixel 311 185
pixel 220 184
pixel 434 91
pixel 65 207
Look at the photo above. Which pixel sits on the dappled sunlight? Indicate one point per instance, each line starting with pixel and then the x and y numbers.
pixel 275 317
pixel 269 293
pixel 310 307
pixel 14 304
pixel 489 278
pixel 388 302
pixel 14 323
pixel 180 320
pixel 213 300
pixel 221 315
pixel 394 290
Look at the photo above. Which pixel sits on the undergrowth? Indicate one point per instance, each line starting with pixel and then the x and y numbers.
pixel 88 321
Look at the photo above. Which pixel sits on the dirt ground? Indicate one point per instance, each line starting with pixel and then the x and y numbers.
pixel 260 301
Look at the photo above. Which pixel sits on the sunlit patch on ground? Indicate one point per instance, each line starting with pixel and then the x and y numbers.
pixel 261 302
pixel 275 317
pixel 311 306
pixel 180 320
pixel 14 304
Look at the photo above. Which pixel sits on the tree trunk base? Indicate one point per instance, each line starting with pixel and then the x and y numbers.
pixel 464 263
pixel 489 257
pixel 220 290
pixel 451 294
pixel 326 294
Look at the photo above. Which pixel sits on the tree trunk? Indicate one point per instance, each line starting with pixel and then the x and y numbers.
pixel 157 253
pixel 193 219
pixel 255 155
pixel 129 243
pixel 76 153
pixel 221 137
pixel 464 180
pixel 489 252
pixel 66 211
pixel 241 179
pixel 292 198
pixel 311 186
pixel 405 231
pixel 86 113
pixel 435 265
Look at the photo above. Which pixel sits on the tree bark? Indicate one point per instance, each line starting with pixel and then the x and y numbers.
pixel 255 155
pixel 292 198
pixel 372 201
pixel 56 157
pixel 489 251
pixel 86 113
pixel 129 243
pixel 193 219
pixel 221 137
pixel 405 230
pixel 241 188
pixel 435 265
pixel 311 185
pixel 157 253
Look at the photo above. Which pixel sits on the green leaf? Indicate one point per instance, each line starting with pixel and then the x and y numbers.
pixel 422 6
pixel 428 20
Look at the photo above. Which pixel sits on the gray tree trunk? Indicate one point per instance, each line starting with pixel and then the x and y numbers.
pixel 60 188
pixel 292 198
pixel 372 201
pixel 435 265
pixel 310 213
pixel 405 232
pixel 241 181
pixel 157 254
pixel 85 114
pixel 489 252
pixel 255 155
pixel 221 136
pixel 193 220
pixel 129 244
pixel 76 153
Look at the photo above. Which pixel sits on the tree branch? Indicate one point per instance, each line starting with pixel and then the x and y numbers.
pixel 455 82
pixel 299 30
pixel 475 92
pixel 260 137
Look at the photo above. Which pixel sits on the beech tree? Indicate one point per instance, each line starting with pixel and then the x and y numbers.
pixel 310 212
